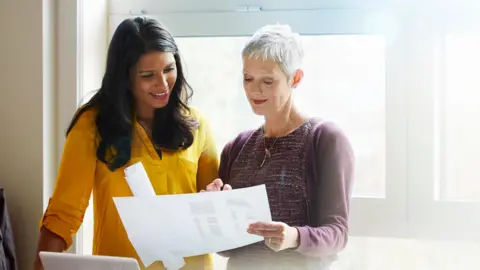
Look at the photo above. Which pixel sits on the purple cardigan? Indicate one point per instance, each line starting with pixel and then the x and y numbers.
pixel 329 177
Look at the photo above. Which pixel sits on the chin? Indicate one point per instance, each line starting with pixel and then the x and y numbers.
pixel 258 111
pixel 159 105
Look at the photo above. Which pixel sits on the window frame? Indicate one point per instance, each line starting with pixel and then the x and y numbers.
pixel 82 39
pixel 429 217
pixel 69 81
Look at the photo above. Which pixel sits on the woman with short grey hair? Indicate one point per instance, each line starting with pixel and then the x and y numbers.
pixel 305 162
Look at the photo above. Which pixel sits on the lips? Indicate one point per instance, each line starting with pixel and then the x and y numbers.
pixel 160 96
pixel 259 101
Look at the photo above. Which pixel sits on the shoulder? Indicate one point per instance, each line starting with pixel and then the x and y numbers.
pixel 202 122
pixel 230 151
pixel 323 129
pixel 199 117
pixel 197 114
pixel 84 120
pixel 328 135
pixel 238 141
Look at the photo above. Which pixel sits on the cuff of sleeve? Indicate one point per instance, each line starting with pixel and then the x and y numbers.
pixel 304 239
pixel 58 227
pixel 55 225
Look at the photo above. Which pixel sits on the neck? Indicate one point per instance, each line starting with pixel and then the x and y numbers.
pixel 145 115
pixel 283 122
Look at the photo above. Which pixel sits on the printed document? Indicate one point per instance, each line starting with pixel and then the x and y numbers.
pixel 170 227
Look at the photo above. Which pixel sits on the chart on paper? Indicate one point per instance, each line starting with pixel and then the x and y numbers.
pixel 172 227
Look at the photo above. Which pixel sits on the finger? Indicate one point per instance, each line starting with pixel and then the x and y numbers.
pixel 227 187
pixel 268 234
pixel 218 183
pixel 210 187
pixel 273 244
pixel 267 226
pixel 202 190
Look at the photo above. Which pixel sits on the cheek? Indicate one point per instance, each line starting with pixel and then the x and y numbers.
pixel 142 86
pixel 280 94
pixel 172 79
pixel 248 87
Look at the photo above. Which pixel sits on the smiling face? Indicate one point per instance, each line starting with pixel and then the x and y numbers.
pixel 267 87
pixel 154 78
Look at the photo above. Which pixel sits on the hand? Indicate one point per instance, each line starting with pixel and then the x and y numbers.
pixel 217 185
pixel 278 235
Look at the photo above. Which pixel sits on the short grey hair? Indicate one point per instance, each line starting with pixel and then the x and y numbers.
pixel 276 43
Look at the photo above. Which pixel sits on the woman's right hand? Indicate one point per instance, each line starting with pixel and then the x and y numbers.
pixel 217 185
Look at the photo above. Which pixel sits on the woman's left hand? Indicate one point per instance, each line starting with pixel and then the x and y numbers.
pixel 278 235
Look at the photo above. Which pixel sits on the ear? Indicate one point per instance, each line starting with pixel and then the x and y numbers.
pixel 297 78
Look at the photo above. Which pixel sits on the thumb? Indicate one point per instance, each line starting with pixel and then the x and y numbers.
pixel 227 187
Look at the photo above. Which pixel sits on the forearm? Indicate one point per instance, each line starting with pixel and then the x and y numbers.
pixel 48 242
pixel 321 242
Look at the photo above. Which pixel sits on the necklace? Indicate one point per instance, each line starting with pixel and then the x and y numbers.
pixel 268 151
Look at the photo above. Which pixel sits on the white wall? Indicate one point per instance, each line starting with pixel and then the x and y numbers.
pixel 27 72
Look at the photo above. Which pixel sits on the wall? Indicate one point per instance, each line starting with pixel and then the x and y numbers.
pixel 49 65
pixel 27 102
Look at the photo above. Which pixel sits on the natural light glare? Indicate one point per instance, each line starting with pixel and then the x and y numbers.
pixel 459 124
pixel 344 82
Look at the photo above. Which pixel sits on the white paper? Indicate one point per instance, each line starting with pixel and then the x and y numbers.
pixel 138 180
pixel 170 227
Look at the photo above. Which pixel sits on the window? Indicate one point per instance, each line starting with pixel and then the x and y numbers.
pixel 459 130
pixel 342 89
pixel 404 90
pixel 344 82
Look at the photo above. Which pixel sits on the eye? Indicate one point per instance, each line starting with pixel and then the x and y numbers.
pixel 268 82
pixel 147 75
pixel 247 79
pixel 169 69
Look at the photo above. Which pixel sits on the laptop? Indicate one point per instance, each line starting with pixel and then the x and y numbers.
pixel 69 261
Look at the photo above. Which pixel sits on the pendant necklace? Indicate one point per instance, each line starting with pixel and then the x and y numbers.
pixel 268 152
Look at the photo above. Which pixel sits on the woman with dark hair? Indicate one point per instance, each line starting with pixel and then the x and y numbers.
pixel 140 114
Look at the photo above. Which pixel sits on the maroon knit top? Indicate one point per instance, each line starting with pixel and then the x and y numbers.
pixel 308 178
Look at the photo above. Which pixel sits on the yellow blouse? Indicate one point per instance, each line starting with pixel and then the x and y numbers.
pixel 80 172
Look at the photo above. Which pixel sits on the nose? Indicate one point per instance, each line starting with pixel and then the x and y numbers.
pixel 161 81
pixel 254 89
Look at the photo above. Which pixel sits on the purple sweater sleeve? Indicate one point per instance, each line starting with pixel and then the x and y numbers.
pixel 330 175
pixel 228 156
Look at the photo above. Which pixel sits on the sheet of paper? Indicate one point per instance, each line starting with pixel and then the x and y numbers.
pixel 138 180
pixel 170 227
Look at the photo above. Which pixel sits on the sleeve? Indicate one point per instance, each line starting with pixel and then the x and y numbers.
pixel 75 179
pixel 331 192
pixel 224 170
pixel 230 153
pixel 7 233
pixel 208 161
pixel 223 174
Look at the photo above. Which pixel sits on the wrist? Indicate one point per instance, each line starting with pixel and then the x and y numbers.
pixel 294 237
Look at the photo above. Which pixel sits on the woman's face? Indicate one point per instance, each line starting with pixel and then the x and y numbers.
pixel 267 87
pixel 154 78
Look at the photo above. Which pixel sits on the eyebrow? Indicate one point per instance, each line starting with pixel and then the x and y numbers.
pixel 269 76
pixel 154 70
